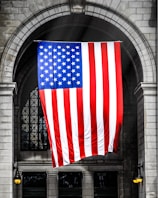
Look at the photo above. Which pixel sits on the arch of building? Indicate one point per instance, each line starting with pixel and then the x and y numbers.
pixel 26 29
pixel 145 72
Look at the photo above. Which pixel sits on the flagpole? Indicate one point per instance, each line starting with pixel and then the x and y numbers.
pixel 73 41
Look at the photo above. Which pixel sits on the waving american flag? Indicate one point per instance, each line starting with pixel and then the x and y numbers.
pixel 80 87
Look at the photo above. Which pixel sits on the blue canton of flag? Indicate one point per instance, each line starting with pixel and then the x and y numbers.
pixel 60 65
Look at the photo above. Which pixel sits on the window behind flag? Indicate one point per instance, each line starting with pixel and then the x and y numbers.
pixel 34 136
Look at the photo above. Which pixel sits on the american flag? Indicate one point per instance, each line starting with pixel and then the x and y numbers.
pixel 80 87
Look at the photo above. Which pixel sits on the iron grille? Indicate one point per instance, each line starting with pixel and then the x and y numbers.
pixel 33 128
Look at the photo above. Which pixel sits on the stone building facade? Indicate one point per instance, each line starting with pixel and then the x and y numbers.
pixel 132 22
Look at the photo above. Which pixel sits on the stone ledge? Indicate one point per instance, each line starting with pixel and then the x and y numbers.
pixel 145 89
pixel 7 88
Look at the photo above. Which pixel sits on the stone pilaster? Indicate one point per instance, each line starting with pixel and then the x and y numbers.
pixel 52 185
pixel 147 138
pixel 6 139
pixel 88 186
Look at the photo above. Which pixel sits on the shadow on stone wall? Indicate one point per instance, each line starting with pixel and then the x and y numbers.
pixel 153 17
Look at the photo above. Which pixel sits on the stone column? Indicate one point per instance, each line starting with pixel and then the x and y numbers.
pixel 52 185
pixel 147 138
pixel 120 184
pixel 87 185
pixel 6 139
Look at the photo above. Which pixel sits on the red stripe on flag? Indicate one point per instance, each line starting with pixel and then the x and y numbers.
pixel 56 127
pixel 105 94
pixel 93 98
pixel 43 104
pixel 119 93
pixel 80 121
pixel 68 124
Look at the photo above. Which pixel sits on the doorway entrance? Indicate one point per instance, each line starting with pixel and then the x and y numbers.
pixel 34 185
pixel 105 185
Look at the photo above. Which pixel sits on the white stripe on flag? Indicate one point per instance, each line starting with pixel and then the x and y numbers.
pixel 74 123
pixel 49 113
pixel 112 97
pixel 62 126
pixel 86 99
pixel 99 98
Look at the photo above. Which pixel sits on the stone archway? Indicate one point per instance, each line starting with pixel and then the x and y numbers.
pixel 24 31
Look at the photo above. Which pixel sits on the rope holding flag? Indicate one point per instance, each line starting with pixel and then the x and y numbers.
pixel 80 88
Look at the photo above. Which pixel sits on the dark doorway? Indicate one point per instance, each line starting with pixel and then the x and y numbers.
pixel 34 185
pixel 105 185
pixel 70 184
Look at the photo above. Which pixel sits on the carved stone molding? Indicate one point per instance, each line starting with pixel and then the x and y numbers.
pixel 77 6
